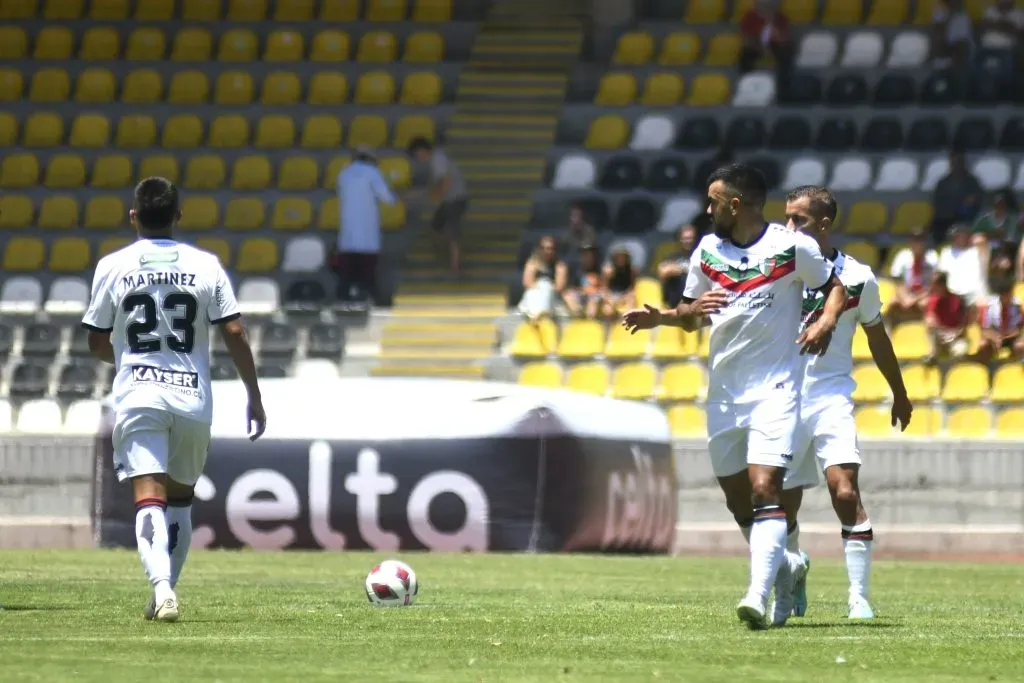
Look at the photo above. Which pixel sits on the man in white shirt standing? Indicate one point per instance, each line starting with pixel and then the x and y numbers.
pixel 360 187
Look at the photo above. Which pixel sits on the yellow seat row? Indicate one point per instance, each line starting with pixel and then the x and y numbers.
pixel 230 131
pixel 965 382
pixel 637 381
pixel 146 86
pixel 869 217
pixel 679 48
pixel 199 213
pixel 103 43
pixel 662 89
pixel 581 339
pixel 834 12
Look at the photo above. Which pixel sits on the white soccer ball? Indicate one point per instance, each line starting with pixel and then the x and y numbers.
pixel 392 584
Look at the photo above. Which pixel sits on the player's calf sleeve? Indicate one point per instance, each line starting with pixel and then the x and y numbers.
pixel 179 533
pixel 151 537
pixel 767 547
pixel 857 542
pixel 745 525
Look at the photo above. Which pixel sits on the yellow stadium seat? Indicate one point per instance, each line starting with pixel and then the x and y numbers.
pixel 912 341
pixel 421 89
pixel 298 173
pixel 925 11
pixel 327 217
pixel 108 10
pixel 709 90
pixel 11 84
pixel 409 128
pixel 163 165
pixel 198 212
pixel 43 130
pixel 90 130
pixel 424 47
pixel 588 378
pixel 385 10
pixel 926 421
pixel 58 212
pixel 294 10
pixel 616 90
pixel 246 10
pixel 49 85
pixel 842 13
pixel 189 87
pixel 330 46
pixel 966 382
pixel 392 216
pixel 218 247
pixel 663 89
pixel 375 87
pixel 377 47
pixel 976 8
pixel 684 382
pixel 112 244
pixel 888 13
pixel 291 213
pixel 541 374
pixel 237 45
pixel 704 12
pixel 634 49
pixel 61 10
pixel 339 10
pixel 200 10
pixel 284 46
pixel 334 167
pixel 673 342
pixel 634 381
pixel 23 254
pixel 103 213
pixel 100 44
pixel 801 11
pixel 1018 290
pixel 607 132
pixel 871 386
pixel 861 350
pixel 142 86
pixel 866 218
pixel 534 339
pixel 723 50
pixel 228 131
pixel 135 132
pixel 679 48
pixel 1010 423
pixel 622 345
pixel 13 42
pixel 154 10
pixel 244 213
pixel 8 130
pixel 69 255
pixel 648 291
pixel 112 171
pixel 95 86
pixel 192 45
pixel 19 171
pixel 18 9
pixel 16 211
pixel 281 88
pixel 250 172
pixel 969 422
pixel 865 252
pixel 145 45
pixel 65 171
pixel 1008 384
pixel 687 421
pixel 322 132
pixel 581 339
pixel 430 11
pixel 276 131
pixel 775 210
pixel 875 421
pixel 233 88
pixel 329 88
pixel 257 255
pixel 911 216
pixel 53 42
pixel 923 382
pixel 205 172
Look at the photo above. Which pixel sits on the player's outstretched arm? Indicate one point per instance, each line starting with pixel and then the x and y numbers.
pixel 888 364
pixel 689 315
pixel 237 344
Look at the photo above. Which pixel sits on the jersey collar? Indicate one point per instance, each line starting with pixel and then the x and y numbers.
pixel 754 241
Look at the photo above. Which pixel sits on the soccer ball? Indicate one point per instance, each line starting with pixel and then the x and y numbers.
pixel 391 584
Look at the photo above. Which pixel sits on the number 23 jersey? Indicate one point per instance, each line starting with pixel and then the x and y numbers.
pixel 159 299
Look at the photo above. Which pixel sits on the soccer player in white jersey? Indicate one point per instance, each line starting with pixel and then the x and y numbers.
pixel 747 281
pixel 827 433
pixel 153 305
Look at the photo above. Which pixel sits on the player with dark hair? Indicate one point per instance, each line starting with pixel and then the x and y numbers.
pixel 746 280
pixel 827 433
pixel 152 306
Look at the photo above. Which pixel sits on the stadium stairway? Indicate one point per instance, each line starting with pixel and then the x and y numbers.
pixel 507 105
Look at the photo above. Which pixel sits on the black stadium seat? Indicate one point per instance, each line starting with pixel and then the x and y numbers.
pixel 769 168
pixel 29 380
pixel 746 132
pixel 790 132
pixel 596 211
pixel 847 90
pixel 837 135
pixel 940 90
pixel 667 174
pixel 895 90
pixel 800 88
pixel 325 341
pixel 77 380
pixel 882 135
pixel 278 341
pixel 635 216
pixel 974 134
pixel 928 134
pixel 699 133
pixel 271 371
pixel 79 341
pixel 1012 136
pixel 41 339
pixel 223 371
pixel 700 176
pixel 621 174
pixel 304 296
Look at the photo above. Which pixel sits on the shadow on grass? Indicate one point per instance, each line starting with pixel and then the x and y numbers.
pixel 35 608
pixel 845 623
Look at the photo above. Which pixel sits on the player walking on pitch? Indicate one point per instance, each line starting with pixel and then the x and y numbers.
pixel 827 433
pixel 152 307
pixel 747 279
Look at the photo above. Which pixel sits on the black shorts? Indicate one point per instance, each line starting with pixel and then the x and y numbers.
pixel 448 218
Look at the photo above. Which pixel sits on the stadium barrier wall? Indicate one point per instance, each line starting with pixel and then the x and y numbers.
pixel 390 464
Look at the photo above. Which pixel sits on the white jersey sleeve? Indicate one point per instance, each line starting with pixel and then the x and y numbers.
pixel 869 309
pixel 99 316
pixel 223 306
pixel 813 269
pixel 697 282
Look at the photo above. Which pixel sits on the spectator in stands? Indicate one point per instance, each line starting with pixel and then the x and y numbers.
pixel 952 34
pixel 1002 27
pixel 619 281
pixel 360 187
pixel 449 195
pixel 946 318
pixel 545 277
pixel 585 299
pixel 957 197
pixel 766 31
pixel 963 261
pixel 672 271
pixel 1001 321
pixel 580 232
pixel 1001 223
pixel 912 268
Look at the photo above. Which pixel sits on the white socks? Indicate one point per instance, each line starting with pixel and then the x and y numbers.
pixel 179 532
pixel 857 542
pixel 151 537
pixel 767 548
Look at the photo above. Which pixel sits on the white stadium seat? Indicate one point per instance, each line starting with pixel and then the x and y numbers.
pixel 574 172
pixel 6 416
pixel 653 132
pixel 22 295
pixel 804 172
pixel 994 173
pixel 909 49
pixel 677 212
pixel 259 296
pixel 637 251
pixel 754 90
pixel 851 175
pixel 817 50
pixel 304 255
pixel 936 170
pixel 316 368
pixel 1018 184
pixel 39 416
pixel 897 175
pixel 863 50
pixel 83 417
pixel 68 296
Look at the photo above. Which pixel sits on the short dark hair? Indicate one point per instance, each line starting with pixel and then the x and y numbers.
pixel 418 143
pixel 823 203
pixel 746 181
pixel 156 204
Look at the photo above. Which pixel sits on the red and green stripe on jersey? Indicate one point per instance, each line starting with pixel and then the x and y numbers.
pixel 814 302
pixel 737 279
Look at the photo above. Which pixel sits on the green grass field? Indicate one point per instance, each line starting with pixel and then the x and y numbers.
pixel 247 616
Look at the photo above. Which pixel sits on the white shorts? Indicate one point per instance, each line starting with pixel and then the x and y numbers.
pixel 751 434
pixel 826 435
pixel 152 441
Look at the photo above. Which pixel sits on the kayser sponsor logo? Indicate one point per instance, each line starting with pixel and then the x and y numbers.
pixel 640 509
pixel 186 383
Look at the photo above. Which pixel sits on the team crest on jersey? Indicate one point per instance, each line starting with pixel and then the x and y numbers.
pixel 767 266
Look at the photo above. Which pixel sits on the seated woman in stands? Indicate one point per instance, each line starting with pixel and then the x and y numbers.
pixel 585 299
pixel 545 278
pixel 620 283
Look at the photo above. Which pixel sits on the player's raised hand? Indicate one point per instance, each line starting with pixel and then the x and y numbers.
pixel 646 318
pixel 257 420
pixel 901 411
pixel 815 339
